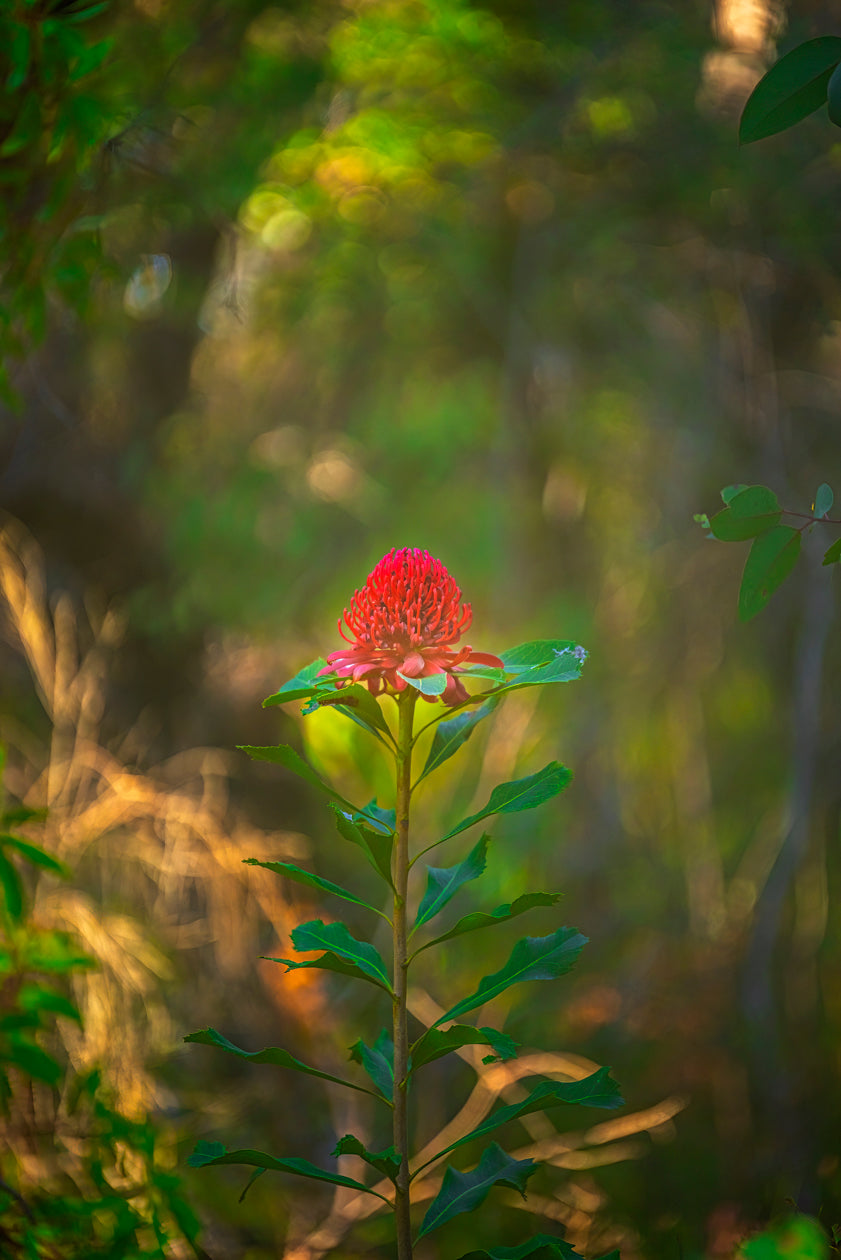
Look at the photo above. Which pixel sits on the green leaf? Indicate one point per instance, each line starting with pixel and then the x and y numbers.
pixel 450 735
pixel 511 798
pixel 91 59
pixel 35 997
pixel 543 661
pixel 791 90
pixel 382 820
pixel 336 938
pixel 22 814
pixel 794 1237
pixel 300 876
pixel 596 1090
pixel 433 685
pixel 386 1162
pixel 33 854
pixel 464 1192
pixel 302 686
pixel 750 512
pixel 27 126
pixel 770 560
pixel 833 97
pixel 729 492
pixel 18 46
pixel 12 888
pixel 444 882
pixel 375 845
pixel 378 1062
pixel 436 1042
pixel 273 1055
pixel 283 755
pixel 833 554
pixel 824 499
pixel 211 1153
pixel 34 1061
pixel 532 958
pixel 540 1247
pixel 357 703
pixel 480 919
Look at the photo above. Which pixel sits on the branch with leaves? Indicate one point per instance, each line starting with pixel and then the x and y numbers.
pixel 404 625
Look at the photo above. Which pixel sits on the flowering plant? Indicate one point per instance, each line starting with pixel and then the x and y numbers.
pixel 405 624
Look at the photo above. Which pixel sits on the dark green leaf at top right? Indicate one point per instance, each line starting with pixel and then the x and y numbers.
pixel 792 89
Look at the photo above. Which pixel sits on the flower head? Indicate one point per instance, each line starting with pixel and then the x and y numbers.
pixel 404 622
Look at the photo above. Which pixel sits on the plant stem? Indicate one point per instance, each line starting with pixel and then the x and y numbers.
pixel 402 1205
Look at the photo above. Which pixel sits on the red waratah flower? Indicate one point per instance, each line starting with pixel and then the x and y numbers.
pixel 404 622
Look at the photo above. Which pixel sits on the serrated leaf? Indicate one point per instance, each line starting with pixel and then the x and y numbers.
pixel 824 499
pixel 597 1090
pixel 386 1162
pixel 729 492
pixel 512 798
pixel 480 919
pixel 833 554
pixel 444 882
pixel 436 1042
pixel 450 735
pixel 328 962
pixel 376 845
pixel 540 1247
pixel 337 939
pixel 750 512
pixel 273 1055
pixel 431 685
pixel 791 90
pixel 301 687
pixel 770 560
pixel 34 854
pixel 12 888
pixel 373 815
pixel 300 876
pixel 207 1154
pixel 378 1062
pixel 532 958
pixel 464 1192
pixel 283 755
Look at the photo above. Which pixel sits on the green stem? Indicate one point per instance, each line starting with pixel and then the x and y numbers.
pixel 402 1205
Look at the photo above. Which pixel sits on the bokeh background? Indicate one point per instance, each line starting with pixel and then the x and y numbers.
pixel 287 285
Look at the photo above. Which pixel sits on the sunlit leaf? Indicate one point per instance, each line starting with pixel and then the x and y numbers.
pixel 283 755
pixel 750 512
pixel 528 793
pixel 464 1192
pixel 450 735
pixel 791 90
pixel 444 882
pixel 273 1055
pixel 543 661
pixel 378 1062
pixel 208 1154
pixel 301 687
pixel 357 703
pixel 771 558
pixel 532 958
pixel 436 1042
pixel 300 876
pixel 481 919
pixel 386 1162
pixel 433 685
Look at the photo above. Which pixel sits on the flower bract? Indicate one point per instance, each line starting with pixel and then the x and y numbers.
pixel 403 624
